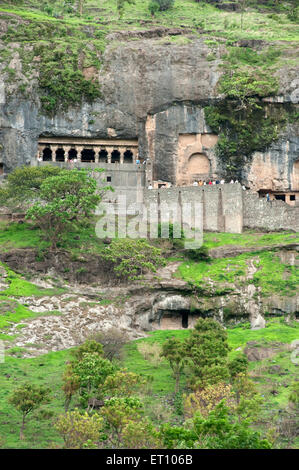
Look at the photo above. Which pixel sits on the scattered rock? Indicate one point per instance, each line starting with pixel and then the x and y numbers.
pixel 258 322
pixel 258 353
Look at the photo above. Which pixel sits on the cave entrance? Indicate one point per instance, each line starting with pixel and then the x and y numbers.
pixel 72 154
pixel 47 154
pixel 128 156
pixel 1 168
pixel 60 155
pixel 87 155
pixel 115 156
pixel 103 156
pixel 174 320
pixel 185 318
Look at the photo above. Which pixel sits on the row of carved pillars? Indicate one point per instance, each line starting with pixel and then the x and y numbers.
pixel 87 154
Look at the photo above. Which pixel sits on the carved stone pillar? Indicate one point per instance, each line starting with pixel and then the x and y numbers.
pixel 66 149
pixel 53 149
pixel 40 150
pixel 79 149
pixel 122 155
pixel 135 155
pixel 109 152
pixel 96 154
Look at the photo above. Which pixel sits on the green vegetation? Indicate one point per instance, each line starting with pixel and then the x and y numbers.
pixel 19 287
pixel 130 258
pixel 272 275
pixel 244 123
pixel 249 238
pixel 66 201
pixel 49 368
pixel 62 43
pixel 27 398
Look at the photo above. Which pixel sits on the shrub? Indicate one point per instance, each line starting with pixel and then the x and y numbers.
pixel 162 5
pixel 130 258
pixel 112 342
pixel 79 430
pixel 198 254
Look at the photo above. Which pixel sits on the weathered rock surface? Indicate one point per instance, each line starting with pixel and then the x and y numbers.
pixel 153 90
pixel 159 301
pixel 254 352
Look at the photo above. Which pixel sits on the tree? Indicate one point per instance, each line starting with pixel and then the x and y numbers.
pixel 92 371
pixel 205 400
pixel 207 348
pixel 120 4
pixel 80 7
pixel 238 365
pixel 248 400
pixel 131 258
pixel 27 398
pixel 71 384
pixel 89 346
pixel 66 201
pixel 23 184
pixel 221 430
pixel 140 434
pixel 175 352
pixel 117 413
pixel 123 383
pixel 160 5
pixel 243 5
pixel 246 85
pixel 112 341
pixel 79 430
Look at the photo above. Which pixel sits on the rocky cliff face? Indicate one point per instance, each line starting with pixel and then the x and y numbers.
pixel 152 89
pixel 91 303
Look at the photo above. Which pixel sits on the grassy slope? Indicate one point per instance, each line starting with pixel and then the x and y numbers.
pixel 47 370
pixel 186 13
pixel 13 235
pixel 272 275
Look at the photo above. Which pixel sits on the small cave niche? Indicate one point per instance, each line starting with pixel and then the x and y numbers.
pixel 280 197
pixel 1 169
pixel 175 320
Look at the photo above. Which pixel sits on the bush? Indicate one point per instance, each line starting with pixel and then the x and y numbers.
pixel 112 341
pixel 161 5
pixel 153 7
pixel 79 430
pixel 131 258
pixel 198 254
pixel 238 365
